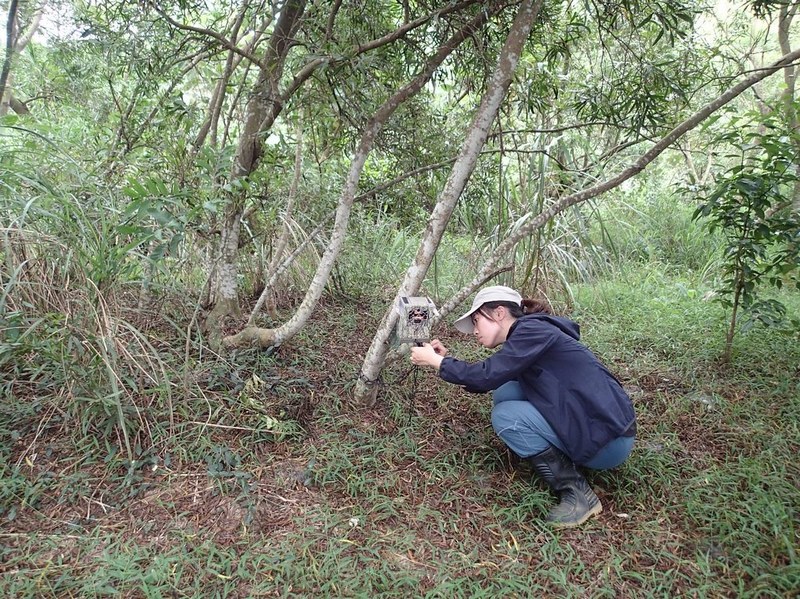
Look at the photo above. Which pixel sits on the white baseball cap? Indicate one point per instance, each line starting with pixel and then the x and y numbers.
pixel 496 293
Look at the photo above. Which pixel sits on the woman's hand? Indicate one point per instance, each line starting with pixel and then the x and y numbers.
pixel 439 348
pixel 427 355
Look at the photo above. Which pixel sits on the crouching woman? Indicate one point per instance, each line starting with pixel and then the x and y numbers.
pixel 555 404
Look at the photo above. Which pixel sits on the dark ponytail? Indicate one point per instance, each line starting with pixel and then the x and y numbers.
pixel 528 306
pixel 536 306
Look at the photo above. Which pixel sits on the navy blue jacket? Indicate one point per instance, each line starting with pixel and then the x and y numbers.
pixel 583 402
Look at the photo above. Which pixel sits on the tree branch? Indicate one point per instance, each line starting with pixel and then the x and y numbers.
pixel 332 19
pixel 310 68
pixel 223 41
pixel 508 244
pixel 23 41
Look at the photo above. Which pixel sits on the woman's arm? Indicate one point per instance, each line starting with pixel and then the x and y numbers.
pixel 520 351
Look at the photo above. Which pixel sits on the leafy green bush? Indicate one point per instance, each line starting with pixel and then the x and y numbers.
pixel 750 205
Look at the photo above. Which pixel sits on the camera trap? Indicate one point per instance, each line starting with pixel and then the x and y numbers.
pixel 414 322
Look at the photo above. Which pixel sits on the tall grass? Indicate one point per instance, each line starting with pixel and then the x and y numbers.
pixel 650 222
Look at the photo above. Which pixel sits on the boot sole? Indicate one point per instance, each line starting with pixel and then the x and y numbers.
pixel 597 509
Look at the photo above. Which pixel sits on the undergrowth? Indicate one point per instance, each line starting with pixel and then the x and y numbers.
pixel 255 475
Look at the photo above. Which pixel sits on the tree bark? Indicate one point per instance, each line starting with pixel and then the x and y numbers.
pixel 271 337
pixel 463 167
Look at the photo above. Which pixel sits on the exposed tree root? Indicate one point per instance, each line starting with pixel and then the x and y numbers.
pixel 251 337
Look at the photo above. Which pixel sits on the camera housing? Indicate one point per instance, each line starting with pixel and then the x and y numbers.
pixel 414 322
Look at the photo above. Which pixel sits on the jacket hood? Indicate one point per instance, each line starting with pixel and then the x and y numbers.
pixel 569 327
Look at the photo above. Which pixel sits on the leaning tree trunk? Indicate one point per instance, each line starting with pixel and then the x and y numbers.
pixel 462 169
pixel 264 337
pixel 222 290
pixel 508 244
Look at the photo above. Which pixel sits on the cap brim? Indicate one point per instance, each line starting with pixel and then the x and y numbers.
pixel 464 324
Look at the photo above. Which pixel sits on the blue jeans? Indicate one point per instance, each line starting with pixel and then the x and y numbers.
pixel 523 428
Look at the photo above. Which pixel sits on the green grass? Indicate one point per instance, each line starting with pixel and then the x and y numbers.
pixel 287 489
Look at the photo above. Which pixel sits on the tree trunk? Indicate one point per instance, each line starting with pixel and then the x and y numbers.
pixel 787 14
pixel 262 109
pixel 14 45
pixel 462 169
pixel 737 298
pixel 218 95
pixel 283 240
pixel 5 73
pixel 270 337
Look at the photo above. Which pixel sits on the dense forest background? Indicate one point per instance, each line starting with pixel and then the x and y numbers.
pixel 211 209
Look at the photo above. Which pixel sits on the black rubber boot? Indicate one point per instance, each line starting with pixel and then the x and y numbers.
pixel 578 501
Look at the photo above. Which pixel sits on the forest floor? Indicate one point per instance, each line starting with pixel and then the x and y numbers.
pixel 267 480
